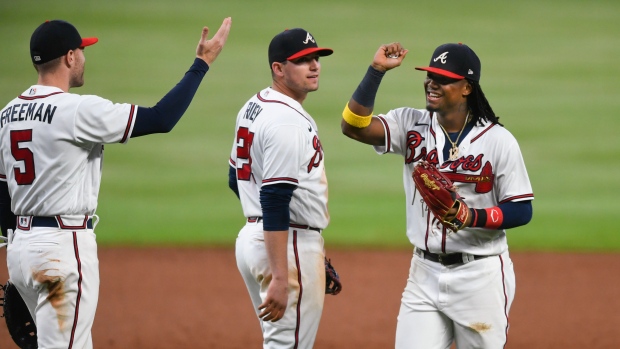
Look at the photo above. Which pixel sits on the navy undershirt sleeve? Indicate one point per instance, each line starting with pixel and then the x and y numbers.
pixel 232 180
pixel 516 213
pixel 168 111
pixel 275 200
pixel 367 89
pixel 7 218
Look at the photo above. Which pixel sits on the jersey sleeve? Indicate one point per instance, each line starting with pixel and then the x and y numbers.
pixel 282 147
pixel 513 183
pixel 98 120
pixel 396 123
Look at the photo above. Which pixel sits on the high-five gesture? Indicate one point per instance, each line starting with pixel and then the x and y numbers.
pixel 208 50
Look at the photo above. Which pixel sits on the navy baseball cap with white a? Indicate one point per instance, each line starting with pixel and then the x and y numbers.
pixel 456 61
pixel 294 43
pixel 53 39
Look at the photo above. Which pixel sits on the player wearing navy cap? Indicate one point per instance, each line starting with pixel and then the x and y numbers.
pixel 277 170
pixel 51 154
pixel 461 282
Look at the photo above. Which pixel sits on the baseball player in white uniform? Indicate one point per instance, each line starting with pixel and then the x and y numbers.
pixel 277 171
pixel 51 154
pixel 461 284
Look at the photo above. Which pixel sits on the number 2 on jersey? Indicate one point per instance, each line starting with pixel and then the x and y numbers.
pixel 244 143
pixel 26 176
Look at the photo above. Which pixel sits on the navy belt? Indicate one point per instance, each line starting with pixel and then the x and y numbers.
pixel 292 225
pixel 447 259
pixel 53 222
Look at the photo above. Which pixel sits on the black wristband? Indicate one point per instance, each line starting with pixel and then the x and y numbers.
pixel 478 218
pixel 367 89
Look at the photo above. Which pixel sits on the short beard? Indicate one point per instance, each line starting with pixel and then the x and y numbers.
pixel 432 110
pixel 77 80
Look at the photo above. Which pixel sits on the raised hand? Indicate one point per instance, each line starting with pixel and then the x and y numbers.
pixel 389 56
pixel 208 50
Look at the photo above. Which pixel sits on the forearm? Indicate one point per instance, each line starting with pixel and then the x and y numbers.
pixel 357 121
pixel 276 244
pixel 363 100
pixel 503 216
pixel 168 111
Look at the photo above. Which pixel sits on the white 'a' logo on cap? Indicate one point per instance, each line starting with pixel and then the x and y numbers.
pixel 442 56
pixel 309 38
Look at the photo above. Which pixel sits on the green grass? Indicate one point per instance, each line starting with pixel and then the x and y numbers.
pixel 549 70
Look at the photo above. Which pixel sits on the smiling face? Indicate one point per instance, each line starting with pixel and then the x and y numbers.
pixel 445 95
pixel 297 77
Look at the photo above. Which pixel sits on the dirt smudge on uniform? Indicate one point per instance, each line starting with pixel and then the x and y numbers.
pixel 480 327
pixel 55 286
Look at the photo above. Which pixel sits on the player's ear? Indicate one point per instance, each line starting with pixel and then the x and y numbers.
pixel 277 68
pixel 69 58
pixel 468 88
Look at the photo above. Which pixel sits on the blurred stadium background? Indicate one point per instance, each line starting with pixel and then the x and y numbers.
pixel 549 69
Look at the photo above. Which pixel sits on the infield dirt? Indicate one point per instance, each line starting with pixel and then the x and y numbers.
pixel 195 298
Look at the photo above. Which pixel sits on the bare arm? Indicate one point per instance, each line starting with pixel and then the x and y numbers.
pixel 387 57
pixel 274 305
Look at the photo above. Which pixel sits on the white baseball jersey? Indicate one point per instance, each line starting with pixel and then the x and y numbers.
pixel 276 141
pixel 489 171
pixel 52 149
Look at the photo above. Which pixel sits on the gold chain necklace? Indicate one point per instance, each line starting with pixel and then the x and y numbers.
pixel 454 151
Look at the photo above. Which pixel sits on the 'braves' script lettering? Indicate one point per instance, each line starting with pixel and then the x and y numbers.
pixel 467 163
pixel 318 154
pixel 414 140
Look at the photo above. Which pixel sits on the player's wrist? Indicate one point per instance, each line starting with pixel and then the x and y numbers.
pixel 355 120
pixel 367 89
pixel 489 218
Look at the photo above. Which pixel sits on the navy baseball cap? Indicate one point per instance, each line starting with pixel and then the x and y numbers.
pixel 294 43
pixel 53 39
pixel 456 61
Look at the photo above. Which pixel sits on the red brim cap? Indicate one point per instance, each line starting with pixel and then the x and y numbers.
pixel 441 72
pixel 322 52
pixel 88 41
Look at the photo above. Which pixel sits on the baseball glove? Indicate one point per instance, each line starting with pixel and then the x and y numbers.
pixel 332 279
pixel 441 196
pixel 18 320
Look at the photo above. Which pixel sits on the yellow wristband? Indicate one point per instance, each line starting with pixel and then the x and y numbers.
pixel 355 120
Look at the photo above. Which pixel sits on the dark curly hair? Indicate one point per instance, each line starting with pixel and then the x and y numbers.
pixel 480 108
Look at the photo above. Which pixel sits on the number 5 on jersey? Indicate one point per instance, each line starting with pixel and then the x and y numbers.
pixel 26 176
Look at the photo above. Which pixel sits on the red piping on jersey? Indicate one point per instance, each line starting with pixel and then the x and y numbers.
pixel 481 133
pixel 38 97
pixel 388 135
pixel 277 179
pixel 131 114
pixel 430 128
pixel 232 162
pixel 444 234
pixel 79 294
pixel 260 98
pixel 63 226
pixel 3 177
pixel 428 219
pixel 505 300
pixel 513 198
pixel 301 289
